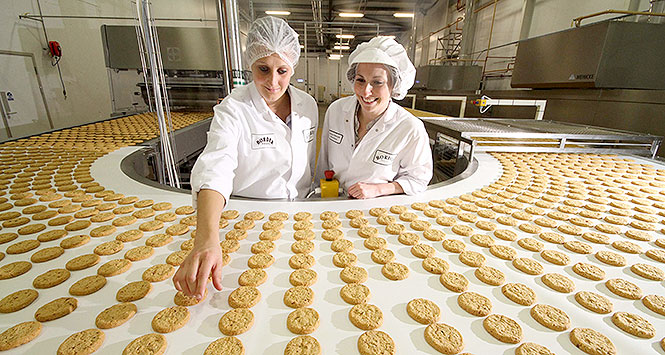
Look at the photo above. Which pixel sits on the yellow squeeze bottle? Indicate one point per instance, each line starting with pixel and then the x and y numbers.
pixel 329 186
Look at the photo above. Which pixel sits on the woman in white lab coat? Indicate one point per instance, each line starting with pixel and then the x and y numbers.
pixel 374 145
pixel 261 144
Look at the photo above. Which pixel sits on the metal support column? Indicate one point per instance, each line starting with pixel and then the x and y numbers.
pixel 527 17
pixel 468 31
pixel 223 45
pixel 234 42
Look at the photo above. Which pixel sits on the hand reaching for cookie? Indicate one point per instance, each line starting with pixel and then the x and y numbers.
pixel 203 261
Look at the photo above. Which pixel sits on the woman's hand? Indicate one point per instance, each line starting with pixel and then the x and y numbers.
pixel 203 261
pixel 363 190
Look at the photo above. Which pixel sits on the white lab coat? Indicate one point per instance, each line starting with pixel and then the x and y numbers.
pixel 252 153
pixel 395 149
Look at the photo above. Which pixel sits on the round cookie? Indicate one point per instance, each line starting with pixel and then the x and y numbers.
pixel 170 319
pixel 589 271
pixel 18 300
pixel 341 245
pixel 435 265
pixel 471 258
pixel 302 277
pixel 19 334
pixel 519 293
pixel 343 259
pixel 366 316
pixel 84 342
pixel 115 315
pixel 133 291
pixel 298 296
pixel 303 321
pixel 503 329
pixel 623 288
pixel 114 267
pixel 528 266
pixel 355 293
pixel 634 325
pixel 306 261
pixel 374 342
pixel 244 297
pixel 395 271
pixel 558 282
pixel 532 349
pixel 55 309
pixel 225 345
pixel 594 302
pixel 252 277
pixel 550 317
pixel 51 278
pixel 490 275
pixel 454 281
pixel 87 285
pixel 302 345
pixel 236 321
pixel 444 338
pixel 423 311
pixel 153 343
pixel 353 274
pixel 157 273
pixel 475 304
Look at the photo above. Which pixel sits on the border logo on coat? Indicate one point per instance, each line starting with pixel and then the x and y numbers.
pixel 383 158
pixel 263 141
pixel 309 134
pixel 335 137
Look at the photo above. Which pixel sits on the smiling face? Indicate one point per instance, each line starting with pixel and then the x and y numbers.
pixel 271 75
pixel 372 88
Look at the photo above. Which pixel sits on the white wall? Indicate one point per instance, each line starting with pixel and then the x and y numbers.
pixel 83 69
pixel 548 16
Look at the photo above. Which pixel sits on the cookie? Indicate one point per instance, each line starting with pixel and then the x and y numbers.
pixel 23 246
pixel 302 345
pixel 423 311
pixel 306 261
pixel 170 319
pixel 434 235
pixel 435 265
pixel 519 293
pixel 139 253
pixel 555 257
pixel 470 258
pixel 648 271
pixel 366 316
pixel 298 296
pixel 375 342
pixel 108 248
pixel 176 258
pixel 115 315
pixel 503 252
pixel 74 241
pixel 475 304
pixel 47 254
pixel 18 300
pixel 490 275
pixel 244 297
pixel 226 345
pixel 453 245
pixel 355 293
pixel 550 317
pixel 528 266
pixel 304 235
pixel 634 325
pixel 114 267
pixel 133 291
pixel 531 244
pixel 77 225
pixel 532 349
pixel 157 273
pixel 252 277
pixel 87 285
pixel 14 269
pixel 158 240
pixel 303 321
pixel 655 303
pixel 162 206
pixel 151 226
pixel 624 288
pixel 55 309
pixel 84 342
pixel 594 302
pixel 454 281
pixel 395 271
pixel 503 329
pixel 51 235
pixel 236 321
pixel 333 234
pixel 610 258
pixel 51 278
pixel 341 245
pixel 19 334
pixel 657 255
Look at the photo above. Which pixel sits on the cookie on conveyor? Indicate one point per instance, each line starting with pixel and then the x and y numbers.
pixel 181 300
pixel 236 321
pixel 550 317
pixel 489 275
pixel 558 282
pixel 435 265
pixel 252 277
pixel 301 277
pixel 532 349
pixel 83 342
pixel 115 315
pixel 528 266
pixel 594 302
pixel 298 296
pixel 244 297
pixel 502 328
pixel 18 300
pixel 373 342
pixel 366 316
pixel 303 321
pixel 55 309
pixel 624 288
pixel 423 311
pixel 306 261
pixel 592 342
pixel 133 291
pixel 475 304
pixel 634 325
pixel 14 269
pixel 19 334
pixel 87 285
pixel 355 293
pixel 655 303
pixel 82 262
pixel 153 344
pixel 519 293
pixel 157 273
pixel 444 338
pixel 302 345
pixel 170 319
pixel 454 281
pixel 114 267
pixel 589 271
pixel 395 271
pixel 226 346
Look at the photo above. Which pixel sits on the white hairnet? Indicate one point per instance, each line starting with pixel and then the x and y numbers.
pixel 385 50
pixel 268 35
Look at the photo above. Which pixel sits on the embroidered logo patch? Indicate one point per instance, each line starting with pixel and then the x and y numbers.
pixel 263 141
pixel 335 137
pixel 383 158
pixel 309 134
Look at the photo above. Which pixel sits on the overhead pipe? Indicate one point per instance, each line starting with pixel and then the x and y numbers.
pixel 223 46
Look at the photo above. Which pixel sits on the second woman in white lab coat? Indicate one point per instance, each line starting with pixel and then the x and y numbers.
pixel 261 144
pixel 374 145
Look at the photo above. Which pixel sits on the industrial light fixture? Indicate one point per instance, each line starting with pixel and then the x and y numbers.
pixel 302 46
pixel 390 36
pixel 342 47
pixel 351 14
pixel 403 14
pixel 335 57
pixel 278 13
pixel 345 36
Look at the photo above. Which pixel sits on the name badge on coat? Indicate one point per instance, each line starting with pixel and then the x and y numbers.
pixel 263 141
pixel 335 137
pixel 309 134
pixel 383 158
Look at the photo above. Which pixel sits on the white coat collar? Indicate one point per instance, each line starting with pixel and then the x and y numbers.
pixel 262 106
pixel 388 117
